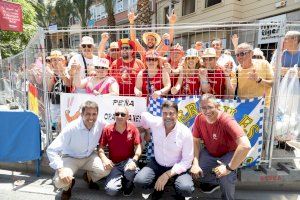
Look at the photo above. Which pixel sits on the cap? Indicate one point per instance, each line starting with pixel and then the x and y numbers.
pixel 191 53
pixel 87 40
pixel 103 62
pixel 209 52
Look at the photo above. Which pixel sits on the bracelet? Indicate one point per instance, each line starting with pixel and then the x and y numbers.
pixel 228 168
pixel 259 80
pixel 167 175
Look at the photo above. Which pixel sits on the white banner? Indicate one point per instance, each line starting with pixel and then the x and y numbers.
pixel 70 107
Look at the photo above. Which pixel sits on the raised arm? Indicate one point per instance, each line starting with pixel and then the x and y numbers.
pixel 102 44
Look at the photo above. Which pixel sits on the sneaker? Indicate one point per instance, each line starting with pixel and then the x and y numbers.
pixel 145 196
pixel 128 191
pixel 92 185
pixel 66 195
pixel 156 195
pixel 208 188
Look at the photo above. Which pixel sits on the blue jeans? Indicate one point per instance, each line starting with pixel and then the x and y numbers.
pixel 227 183
pixel 146 178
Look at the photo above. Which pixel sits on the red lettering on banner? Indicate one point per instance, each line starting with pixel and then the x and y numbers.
pixel 269 178
pixel 11 18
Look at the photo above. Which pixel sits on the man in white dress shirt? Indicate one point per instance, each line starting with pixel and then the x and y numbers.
pixel 73 149
pixel 173 154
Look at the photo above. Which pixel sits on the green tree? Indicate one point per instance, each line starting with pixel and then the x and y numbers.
pixel 111 21
pixel 12 43
pixel 145 13
pixel 82 11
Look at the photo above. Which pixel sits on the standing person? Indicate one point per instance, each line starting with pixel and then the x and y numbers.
pixel 217 45
pixel 126 68
pixel 291 51
pixel 73 149
pixel 173 154
pixel 124 147
pixel 226 147
pixel 113 51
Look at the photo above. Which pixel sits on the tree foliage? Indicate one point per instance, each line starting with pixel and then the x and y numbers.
pixel 111 21
pixel 12 43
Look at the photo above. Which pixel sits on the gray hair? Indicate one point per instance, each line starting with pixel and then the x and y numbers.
pixel 208 96
pixel 245 46
pixel 89 104
pixel 293 34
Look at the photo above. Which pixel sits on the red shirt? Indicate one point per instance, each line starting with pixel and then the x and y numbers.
pixel 220 137
pixel 156 82
pixel 190 85
pixel 217 82
pixel 111 60
pixel 125 74
pixel 120 145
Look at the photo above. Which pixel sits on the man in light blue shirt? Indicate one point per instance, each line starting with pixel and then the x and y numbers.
pixel 73 149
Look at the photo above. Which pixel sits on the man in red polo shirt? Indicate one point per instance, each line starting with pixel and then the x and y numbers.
pixel 226 147
pixel 124 146
pixel 126 68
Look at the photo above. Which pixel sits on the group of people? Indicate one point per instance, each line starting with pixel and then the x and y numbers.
pixel 178 158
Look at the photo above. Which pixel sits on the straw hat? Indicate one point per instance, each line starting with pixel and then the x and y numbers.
pixel 126 41
pixel 155 35
pixel 209 52
pixel 87 40
pixel 113 45
pixel 56 54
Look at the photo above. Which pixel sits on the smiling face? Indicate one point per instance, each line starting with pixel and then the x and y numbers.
pixel 151 42
pixel 210 62
pixel 87 50
pixel 89 117
pixel 210 110
pixel 126 51
pixel 244 56
pixel 121 115
pixel 169 115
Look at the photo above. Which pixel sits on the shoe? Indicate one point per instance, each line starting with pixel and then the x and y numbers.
pixel 92 185
pixel 128 191
pixel 208 188
pixel 156 195
pixel 66 195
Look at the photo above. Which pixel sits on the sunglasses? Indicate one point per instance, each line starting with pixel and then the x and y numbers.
pixel 190 58
pixel 114 50
pixel 242 54
pixel 151 59
pixel 256 57
pixel 100 67
pixel 117 114
pixel 126 48
pixel 208 59
pixel 86 45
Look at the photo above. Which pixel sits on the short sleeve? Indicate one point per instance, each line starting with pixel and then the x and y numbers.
pixel 103 138
pixel 137 136
pixel 196 128
pixel 233 128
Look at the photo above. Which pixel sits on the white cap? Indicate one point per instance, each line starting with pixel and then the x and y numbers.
pixel 103 62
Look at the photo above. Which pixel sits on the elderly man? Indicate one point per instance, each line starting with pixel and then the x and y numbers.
pixel 73 149
pixel 126 68
pixel 84 60
pixel 214 79
pixel 124 147
pixel 226 147
pixel 173 154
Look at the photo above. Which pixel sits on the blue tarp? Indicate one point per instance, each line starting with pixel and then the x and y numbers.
pixel 20 137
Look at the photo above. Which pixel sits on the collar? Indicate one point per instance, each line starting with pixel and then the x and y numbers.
pixel 81 125
pixel 128 128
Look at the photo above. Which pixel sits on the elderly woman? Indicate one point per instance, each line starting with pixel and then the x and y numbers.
pixel 101 83
pixel 188 82
pixel 154 80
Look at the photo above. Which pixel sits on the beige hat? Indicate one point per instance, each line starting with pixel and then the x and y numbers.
pixel 258 52
pixel 102 62
pixel 56 54
pixel 87 40
pixel 209 52
pixel 114 45
pixel 155 35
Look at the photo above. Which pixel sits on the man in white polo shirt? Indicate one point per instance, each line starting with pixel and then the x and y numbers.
pixel 73 149
pixel 173 154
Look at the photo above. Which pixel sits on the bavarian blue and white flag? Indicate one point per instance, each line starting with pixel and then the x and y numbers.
pixel 248 113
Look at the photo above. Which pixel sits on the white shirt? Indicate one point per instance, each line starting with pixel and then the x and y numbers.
pixel 175 150
pixel 75 141
pixel 79 59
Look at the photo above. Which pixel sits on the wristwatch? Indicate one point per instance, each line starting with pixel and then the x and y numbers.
pixel 228 168
pixel 259 80
pixel 135 161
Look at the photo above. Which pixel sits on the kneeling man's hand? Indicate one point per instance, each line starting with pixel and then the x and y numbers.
pixel 63 177
pixel 221 171
pixel 196 171
pixel 108 164
pixel 161 182
pixel 130 166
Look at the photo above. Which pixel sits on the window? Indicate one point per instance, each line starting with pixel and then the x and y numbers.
pixel 209 3
pixel 119 6
pixel 166 12
pixel 188 6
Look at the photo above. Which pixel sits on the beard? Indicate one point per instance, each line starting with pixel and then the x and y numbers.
pixel 125 56
pixel 150 46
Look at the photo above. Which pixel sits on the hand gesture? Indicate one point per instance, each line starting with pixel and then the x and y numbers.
pixel 96 93
pixel 203 73
pixel 108 164
pixel 105 36
pixel 156 94
pixel 235 40
pixel 161 182
pixel 172 18
pixel 227 68
pixel 174 90
pixel 167 67
pixel 130 166
pixel 64 177
pixel 253 75
pixel 221 171
pixel 138 93
pixel 132 17
pixel 196 171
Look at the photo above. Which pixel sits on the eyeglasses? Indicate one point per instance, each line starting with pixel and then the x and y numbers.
pixel 151 59
pixel 242 54
pixel 209 59
pixel 100 67
pixel 126 48
pixel 117 114
pixel 257 57
pixel 86 45
pixel 114 50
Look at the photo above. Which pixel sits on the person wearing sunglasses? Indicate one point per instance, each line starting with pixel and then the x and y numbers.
pixel 226 147
pixel 113 51
pixel 73 149
pixel 126 68
pixel 153 81
pixel 173 154
pixel 124 147
pixel 101 83
pixel 213 78
pixel 188 82
pixel 84 61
